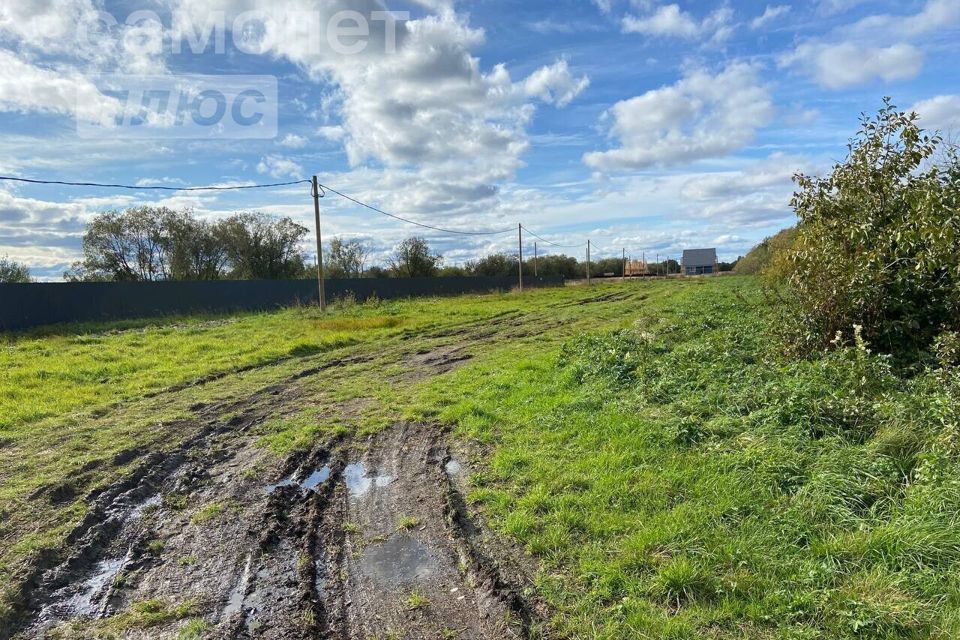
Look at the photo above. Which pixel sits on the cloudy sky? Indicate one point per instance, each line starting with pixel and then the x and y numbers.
pixel 645 125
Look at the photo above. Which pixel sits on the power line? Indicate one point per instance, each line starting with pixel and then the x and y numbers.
pixel 152 188
pixel 407 220
pixel 559 246
pixel 323 187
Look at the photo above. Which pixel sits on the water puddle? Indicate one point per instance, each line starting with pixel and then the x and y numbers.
pixel 316 478
pixel 360 482
pixel 89 600
pixel 400 560
pixel 453 467
pixel 288 482
pixel 144 506
pixel 310 483
pixel 235 603
pixel 85 603
pixel 320 582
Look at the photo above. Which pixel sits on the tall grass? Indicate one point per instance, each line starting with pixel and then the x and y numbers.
pixel 682 479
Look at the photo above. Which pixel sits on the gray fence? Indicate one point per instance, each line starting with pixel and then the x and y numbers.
pixel 30 305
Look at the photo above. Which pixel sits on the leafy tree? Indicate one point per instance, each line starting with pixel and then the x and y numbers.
pixel 129 245
pixel 156 243
pixel 377 271
pixel 453 271
pixel 664 267
pixel 604 265
pixel 554 265
pixel 497 264
pixel 12 271
pixel 261 247
pixel 728 266
pixel 197 249
pixel 770 251
pixel 413 259
pixel 878 242
pixel 344 259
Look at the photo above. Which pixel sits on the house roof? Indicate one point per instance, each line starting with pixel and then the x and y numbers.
pixel 699 257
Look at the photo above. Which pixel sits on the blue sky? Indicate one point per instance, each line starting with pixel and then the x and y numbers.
pixel 644 125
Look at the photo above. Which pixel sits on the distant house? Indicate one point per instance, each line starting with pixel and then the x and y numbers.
pixel 697 262
pixel 636 268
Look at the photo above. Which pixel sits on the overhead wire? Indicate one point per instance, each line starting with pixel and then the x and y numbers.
pixel 151 187
pixel 414 222
pixel 559 246
pixel 322 189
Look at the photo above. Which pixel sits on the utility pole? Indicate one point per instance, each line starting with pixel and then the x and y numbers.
pixel 520 263
pixel 316 212
pixel 643 259
pixel 536 274
pixel 588 261
pixel 624 277
pixel 658 265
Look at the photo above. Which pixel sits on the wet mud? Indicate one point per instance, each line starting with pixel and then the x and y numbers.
pixel 354 540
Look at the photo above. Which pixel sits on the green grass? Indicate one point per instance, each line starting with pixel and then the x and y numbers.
pixel 415 602
pixel 74 400
pixel 675 475
pixel 209 512
pixel 57 371
pixel 139 617
pixel 679 478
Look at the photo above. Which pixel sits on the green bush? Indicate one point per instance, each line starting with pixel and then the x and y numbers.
pixel 766 254
pixel 878 243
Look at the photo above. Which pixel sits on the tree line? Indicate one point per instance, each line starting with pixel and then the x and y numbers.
pixel 156 243
pixel 146 244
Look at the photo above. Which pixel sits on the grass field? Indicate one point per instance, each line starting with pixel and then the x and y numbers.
pixel 673 474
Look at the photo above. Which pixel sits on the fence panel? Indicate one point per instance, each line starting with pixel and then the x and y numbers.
pixel 23 306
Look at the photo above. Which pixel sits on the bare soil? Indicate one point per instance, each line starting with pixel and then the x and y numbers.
pixel 355 539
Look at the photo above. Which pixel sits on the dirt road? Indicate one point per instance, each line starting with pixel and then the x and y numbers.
pixel 355 538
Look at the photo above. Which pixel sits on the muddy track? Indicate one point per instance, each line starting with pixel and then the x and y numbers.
pixel 114 537
pixel 347 542
pixel 351 540
pixel 399 560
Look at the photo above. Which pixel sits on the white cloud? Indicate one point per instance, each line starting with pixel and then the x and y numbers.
pixel 80 30
pixel 753 195
pixel 605 6
pixel 549 26
pixel 798 115
pixel 27 88
pixel 426 113
pixel 771 13
pixel 332 133
pixel 847 64
pixel 935 15
pixel 885 47
pixel 555 84
pixel 47 25
pixel 670 21
pixel 940 112
pixel 775 171
pixel 833 7
pixel 279 167
pixel 153 182
pixel 293 141
pixel 700 116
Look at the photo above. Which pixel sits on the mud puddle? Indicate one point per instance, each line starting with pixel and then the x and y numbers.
pixel 309 483
pixel 341 543
pixel 396 567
